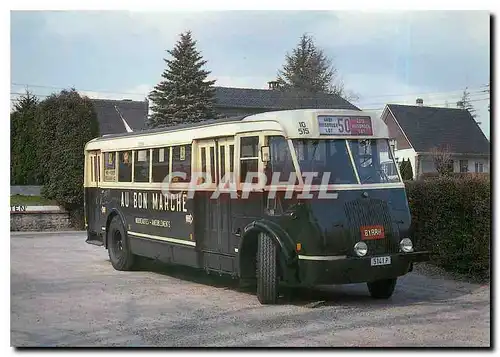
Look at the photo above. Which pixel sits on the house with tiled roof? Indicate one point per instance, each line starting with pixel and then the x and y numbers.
pixel 120 116
pixel 244 101
pixel 417 129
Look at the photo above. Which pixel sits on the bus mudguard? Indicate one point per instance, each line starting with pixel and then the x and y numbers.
pixel 282 239
pixel 280 236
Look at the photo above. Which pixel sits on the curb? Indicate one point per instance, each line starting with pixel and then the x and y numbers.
pixel 19 233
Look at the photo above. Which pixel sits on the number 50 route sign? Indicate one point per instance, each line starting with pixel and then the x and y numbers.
pixel 341 125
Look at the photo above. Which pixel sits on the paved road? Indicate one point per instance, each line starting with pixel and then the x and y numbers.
pixel 64 292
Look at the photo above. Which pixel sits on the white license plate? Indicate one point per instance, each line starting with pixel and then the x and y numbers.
pixel 381 261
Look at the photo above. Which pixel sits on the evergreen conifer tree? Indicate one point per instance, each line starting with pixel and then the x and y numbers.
pixel 23 144
pixel 307 69
pixel 184 95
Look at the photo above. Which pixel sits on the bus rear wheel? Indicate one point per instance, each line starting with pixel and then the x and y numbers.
pixel 120 255
pixel 382 289
pixel 267 275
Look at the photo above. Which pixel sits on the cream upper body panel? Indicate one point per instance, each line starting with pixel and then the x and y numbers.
pixel 325 123
pixel 292 124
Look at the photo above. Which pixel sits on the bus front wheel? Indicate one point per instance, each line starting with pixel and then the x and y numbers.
pixel 267 275
pixel 119 251
pixel 382 289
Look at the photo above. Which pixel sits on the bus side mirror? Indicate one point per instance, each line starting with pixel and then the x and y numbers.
pixel 265 153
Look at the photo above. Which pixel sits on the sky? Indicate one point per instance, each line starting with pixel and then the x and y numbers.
pixel 383 56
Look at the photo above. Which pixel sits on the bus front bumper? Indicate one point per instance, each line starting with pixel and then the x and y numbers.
pixel 349 270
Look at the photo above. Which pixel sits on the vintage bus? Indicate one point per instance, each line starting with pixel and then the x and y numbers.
pixel 284 198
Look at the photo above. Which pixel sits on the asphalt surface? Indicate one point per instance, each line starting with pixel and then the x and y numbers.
pixel 65 292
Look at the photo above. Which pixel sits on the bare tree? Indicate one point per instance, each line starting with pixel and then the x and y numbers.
pixel 465 104
pixel 441 157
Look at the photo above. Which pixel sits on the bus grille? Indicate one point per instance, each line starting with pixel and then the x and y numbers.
pixel 368 212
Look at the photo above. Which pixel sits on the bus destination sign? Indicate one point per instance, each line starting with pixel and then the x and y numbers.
pixel 341 125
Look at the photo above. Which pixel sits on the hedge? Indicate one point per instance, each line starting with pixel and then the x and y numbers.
pixel 451 217
pixel 67 122
pixel 433 175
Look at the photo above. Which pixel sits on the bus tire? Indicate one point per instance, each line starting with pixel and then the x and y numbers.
pixel 382 289
pixel 267 277
pixel 120 255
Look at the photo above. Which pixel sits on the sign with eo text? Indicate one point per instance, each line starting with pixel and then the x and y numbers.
pixel 341 125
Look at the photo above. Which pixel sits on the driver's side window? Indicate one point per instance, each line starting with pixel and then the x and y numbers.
pixel 281 159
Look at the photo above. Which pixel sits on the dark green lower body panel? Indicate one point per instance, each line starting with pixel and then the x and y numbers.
pixel 356 270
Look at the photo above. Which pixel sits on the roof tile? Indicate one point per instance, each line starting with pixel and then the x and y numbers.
pixel 428 127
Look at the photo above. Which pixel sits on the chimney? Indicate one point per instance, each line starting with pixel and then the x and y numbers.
pixel 420 102
pixel 273 85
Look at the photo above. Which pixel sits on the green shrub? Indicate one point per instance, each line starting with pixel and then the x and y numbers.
pixel 433 175
pixel 451 217
pixel 406 170
pixel 73 122
pixel 23 144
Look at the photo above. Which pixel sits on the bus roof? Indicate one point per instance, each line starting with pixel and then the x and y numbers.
pixel 297 123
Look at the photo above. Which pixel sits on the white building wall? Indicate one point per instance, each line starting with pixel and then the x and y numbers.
pixel 427 164
pixel 471 164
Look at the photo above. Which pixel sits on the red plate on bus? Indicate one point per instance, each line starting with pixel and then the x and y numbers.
pixel 372 232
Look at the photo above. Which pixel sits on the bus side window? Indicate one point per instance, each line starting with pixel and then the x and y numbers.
pixel 249 157
pixel 141 166
pixel 203 163
pixel 231 162
pixel 92 169
pixel 212 164
pixel 161 162
pixel 222 160
pixel 109 167
pixel 98 168
pixel 181 162
pixel 125 166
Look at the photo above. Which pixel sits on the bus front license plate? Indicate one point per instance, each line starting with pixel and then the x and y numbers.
pixel 381 261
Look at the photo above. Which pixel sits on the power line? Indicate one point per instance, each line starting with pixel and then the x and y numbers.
pixel 47 95
pixel 81 90
pixel 440 104
pixel 367 109
pixel 448 95
pixel 364 104
pixel 475 91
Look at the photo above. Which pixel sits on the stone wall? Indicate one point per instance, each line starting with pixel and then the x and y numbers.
pixel 39 221
pixel 25 190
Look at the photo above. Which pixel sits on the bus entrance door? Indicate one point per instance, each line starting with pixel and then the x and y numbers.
pixel 92 192
pixel 212 212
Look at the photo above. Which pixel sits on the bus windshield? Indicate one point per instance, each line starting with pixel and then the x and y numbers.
pixel 374 161
pixel 326 157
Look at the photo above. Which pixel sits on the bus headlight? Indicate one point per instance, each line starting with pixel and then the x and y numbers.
pixel 406 245
pixel 360 249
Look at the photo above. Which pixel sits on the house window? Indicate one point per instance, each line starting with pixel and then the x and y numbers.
pixel 479 167
pixel 393 144
pixel 464 166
